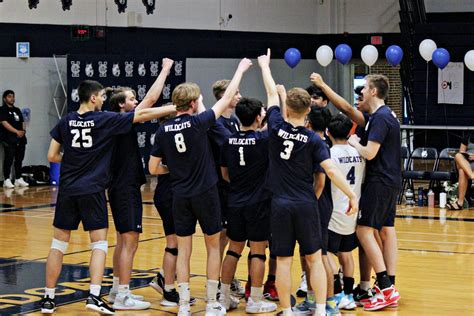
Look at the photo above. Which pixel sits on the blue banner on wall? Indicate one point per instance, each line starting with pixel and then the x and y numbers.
pixel 136 72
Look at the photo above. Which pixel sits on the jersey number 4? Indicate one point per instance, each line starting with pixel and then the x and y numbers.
pixel 351 175
pixel 179 141
pixel 81 138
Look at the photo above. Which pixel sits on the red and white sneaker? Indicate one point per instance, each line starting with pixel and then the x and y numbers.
pixel 393 305
pixel 382 298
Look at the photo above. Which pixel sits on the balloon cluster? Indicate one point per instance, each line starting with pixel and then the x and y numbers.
pixel 369 54
pixel 440 56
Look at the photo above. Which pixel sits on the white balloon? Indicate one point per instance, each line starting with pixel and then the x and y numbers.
pixel 469 60
pixel 369 54
pixel 426 48
pixel 324 55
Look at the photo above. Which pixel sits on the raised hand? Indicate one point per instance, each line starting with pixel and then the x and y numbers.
pixel 244 65
pixel 167 63
pixel 316 79
pixel 264 60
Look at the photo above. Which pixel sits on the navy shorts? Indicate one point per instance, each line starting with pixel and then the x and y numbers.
pixel 251 222
pixel 293 221
pixel 127 209
pixel 341 243
pixel 90 209
pixel 325 213
pixel 203 208
pixel 165 209
pixel 223 189
pixel 378 205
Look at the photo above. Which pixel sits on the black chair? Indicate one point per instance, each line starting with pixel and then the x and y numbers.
pixel 421 164
pixel 404 156
pixel 445 167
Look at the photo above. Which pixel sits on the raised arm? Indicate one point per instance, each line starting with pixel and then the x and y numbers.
pixel 145 115
pixel 54 152
pixel 338 179
pixel 155 91
pixel 338 101
pixel 229 93
pixel 282 93
pixel 270 86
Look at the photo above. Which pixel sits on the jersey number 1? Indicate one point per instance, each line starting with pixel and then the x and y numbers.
pixel 241 154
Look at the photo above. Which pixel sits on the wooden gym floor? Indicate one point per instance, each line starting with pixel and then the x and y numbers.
pixel 435 270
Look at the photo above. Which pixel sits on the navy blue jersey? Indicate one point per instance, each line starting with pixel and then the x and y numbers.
pixel 183 143
pixel 294 155
pixel 127 165
pixel 245 154
pixel 87 141
pixel 384 128
pixel 218 135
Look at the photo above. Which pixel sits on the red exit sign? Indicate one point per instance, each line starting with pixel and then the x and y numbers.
pixel 376 40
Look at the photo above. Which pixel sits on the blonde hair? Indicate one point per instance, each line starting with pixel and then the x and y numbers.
pixel 380 82
pixel 219 87
pixel 184 94
pixel 298 100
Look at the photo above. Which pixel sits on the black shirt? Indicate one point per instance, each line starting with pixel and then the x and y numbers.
pixel 12 115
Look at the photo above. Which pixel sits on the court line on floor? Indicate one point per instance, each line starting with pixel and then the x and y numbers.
pixel 437 242
pixel 454 219
pixel 437 251
pixel 433 234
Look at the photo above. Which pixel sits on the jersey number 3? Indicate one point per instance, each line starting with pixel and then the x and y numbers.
pixel 82 138
pixel 179 141
pixel 286 153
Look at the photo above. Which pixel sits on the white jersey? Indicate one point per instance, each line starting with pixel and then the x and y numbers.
pixel 352 166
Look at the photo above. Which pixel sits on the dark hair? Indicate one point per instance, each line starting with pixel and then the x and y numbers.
pixel 88 88
pixel 247 110
pixel 313 90
pixel 319 118
pixel 117 96
pixel 5 93
pixel 340 126
pixel 358 90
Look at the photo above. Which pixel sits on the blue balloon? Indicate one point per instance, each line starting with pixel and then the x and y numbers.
pixel 441 58
pixel 343 53
pixel 394 55
pixel 292 57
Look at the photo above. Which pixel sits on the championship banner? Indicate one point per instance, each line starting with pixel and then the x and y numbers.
pixel 451 84
pixel 136 72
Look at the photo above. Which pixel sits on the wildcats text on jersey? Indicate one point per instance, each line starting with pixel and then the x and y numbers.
pixel 350 159
pixel 298 137
pixel 242 141
pixel 74 123
pixel 177 127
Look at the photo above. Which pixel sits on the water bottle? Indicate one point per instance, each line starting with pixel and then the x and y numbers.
pixel 431 198
pixel 442 200
pixel 420 196
pixel 409 197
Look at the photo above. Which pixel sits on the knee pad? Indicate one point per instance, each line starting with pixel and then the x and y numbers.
pixel 258 256
pixel 100 245
pixel 233 254
pixel 173 251
pixel 59 245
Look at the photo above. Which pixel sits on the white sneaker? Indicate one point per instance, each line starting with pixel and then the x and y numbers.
pixel 259 307
pixel 230 302
pixel 21 183
pixel 8 184
pixel 184 310
pixel 303 289
pixel 236 288
pixel 215 309
pixel 127 302
pixel 113 295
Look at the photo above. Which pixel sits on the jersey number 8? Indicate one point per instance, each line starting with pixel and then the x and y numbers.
pixel 179 141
